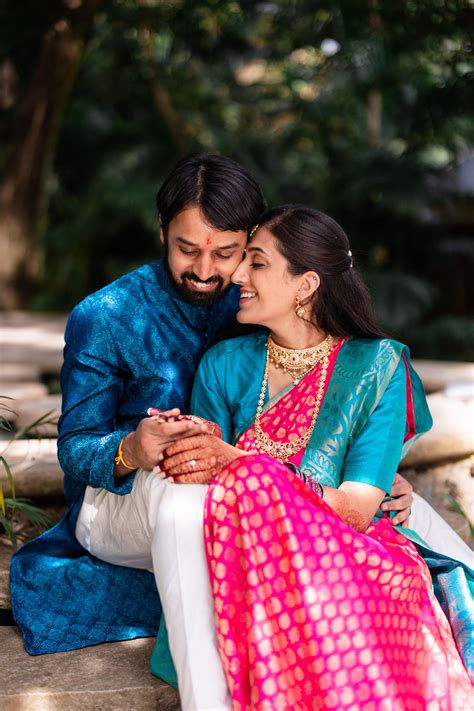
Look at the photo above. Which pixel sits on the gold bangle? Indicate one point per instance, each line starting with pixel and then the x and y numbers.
pixel 119 458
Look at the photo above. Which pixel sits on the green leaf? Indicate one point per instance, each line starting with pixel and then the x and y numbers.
pixel 10 479
pixel 2 499
pixel 5 425
pixel 43 420
pixel 7 525
pixel 456 506
pixel 34 514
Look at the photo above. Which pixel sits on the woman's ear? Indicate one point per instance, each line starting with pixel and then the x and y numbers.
pixel 309 284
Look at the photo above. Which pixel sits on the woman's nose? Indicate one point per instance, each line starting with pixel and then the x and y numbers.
pixel 240 274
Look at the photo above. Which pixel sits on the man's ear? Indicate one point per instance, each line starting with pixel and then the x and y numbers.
pixel 309 284
pixel 162 236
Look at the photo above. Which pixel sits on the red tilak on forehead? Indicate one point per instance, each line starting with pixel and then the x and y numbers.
pixel 208 241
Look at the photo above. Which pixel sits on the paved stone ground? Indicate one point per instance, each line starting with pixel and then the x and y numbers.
pixel 109 676
pixel 445 484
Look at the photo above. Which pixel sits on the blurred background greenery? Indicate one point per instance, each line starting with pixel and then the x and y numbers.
pixel 357 107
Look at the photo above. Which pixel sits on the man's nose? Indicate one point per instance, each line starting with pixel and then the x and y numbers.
pixel 203 267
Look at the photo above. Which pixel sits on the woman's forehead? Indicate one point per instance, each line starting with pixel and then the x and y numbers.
pixel 263 241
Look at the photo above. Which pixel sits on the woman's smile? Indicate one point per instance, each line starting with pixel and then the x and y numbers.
pixel 246 295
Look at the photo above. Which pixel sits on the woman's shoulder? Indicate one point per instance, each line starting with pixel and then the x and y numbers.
pixel 241 347
pixel 374 347
pixel 362 356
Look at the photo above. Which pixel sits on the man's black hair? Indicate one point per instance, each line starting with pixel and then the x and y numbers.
pixel 229 197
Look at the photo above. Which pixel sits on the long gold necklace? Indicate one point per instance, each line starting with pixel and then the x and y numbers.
pixel 284 450
pixel 297 362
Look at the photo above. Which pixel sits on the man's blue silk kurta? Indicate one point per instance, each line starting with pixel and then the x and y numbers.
pixel 134 344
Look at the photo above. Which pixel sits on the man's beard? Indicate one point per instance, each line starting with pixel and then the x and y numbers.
pixel 206 298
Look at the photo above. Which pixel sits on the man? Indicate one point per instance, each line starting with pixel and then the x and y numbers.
pixel 134 345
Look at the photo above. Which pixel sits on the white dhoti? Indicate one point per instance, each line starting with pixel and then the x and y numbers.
pixel 159 527
pixel 437 533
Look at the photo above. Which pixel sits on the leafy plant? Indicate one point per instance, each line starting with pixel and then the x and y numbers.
pixel 14 511
pixel 456 506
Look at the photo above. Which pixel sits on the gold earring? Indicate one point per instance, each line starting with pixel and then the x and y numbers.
pixel 299 309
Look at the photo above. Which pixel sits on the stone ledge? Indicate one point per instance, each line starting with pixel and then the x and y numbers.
pixel 25 390
pixel 452 434
pixel 438 374
pixel 32 410
pixel 112 676
pixel 19 372
pixel 35 467
pixel 438 483
pixel 5 555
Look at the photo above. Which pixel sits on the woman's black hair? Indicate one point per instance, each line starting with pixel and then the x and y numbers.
pixel 228 196
pixel 312 241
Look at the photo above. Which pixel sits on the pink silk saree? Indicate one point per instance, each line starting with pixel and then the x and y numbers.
pixel 311 614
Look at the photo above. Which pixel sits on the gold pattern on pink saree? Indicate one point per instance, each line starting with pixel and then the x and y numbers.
pixel 297 624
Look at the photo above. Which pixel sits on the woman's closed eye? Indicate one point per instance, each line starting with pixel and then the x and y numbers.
pixel 257 265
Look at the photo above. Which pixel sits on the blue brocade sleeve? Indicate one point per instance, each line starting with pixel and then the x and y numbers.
pixel 207 399
pixel 374 455
pixel 92 384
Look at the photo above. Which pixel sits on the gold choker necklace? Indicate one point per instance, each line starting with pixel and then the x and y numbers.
pixel 297 362
pixel 284 450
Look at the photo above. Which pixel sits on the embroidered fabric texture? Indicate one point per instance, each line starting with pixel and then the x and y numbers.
pixel 133 344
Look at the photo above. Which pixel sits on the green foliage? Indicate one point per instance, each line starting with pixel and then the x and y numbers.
pixel 446 337
pixel 14 511
pixel 456 506
pixel 400 300
pixel 260 83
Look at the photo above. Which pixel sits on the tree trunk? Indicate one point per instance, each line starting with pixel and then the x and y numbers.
pixel 374 97
pixel 374 118
pixel 22 181
pixel 161 95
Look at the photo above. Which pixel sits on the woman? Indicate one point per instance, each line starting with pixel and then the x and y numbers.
pixel 316 606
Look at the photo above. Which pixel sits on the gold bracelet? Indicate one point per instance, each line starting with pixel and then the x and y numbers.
pixel 119 458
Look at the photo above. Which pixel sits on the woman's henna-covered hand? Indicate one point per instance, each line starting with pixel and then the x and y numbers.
pixel 196 460
pixel 163 416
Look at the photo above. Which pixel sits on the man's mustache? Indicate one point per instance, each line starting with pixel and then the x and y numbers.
pixel 193 277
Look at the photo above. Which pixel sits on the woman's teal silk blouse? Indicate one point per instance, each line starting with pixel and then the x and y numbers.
pixel 361 428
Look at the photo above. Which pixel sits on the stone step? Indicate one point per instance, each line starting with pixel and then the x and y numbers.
pixel 439 374
pixel 5 555
pixel 33 339
pixel 452 434
pixel 19 372
pixel 112 676
pixel 35 468
pixel 437 484
pixel 29 411
pixel 21 391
